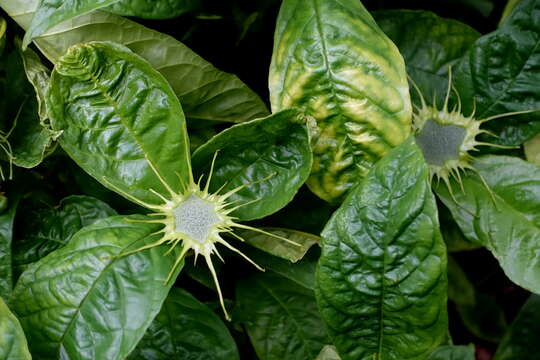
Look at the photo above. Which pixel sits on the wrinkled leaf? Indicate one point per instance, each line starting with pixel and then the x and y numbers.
pixel 532 149
pixel 154 9
pixel 121 121
pixel 272 155
pixel 523 338
pixel 44 231
pixel 205 92
pixel 7 218
pixel 86 300
pixel 429 44
pixel 185 328
pixel 331 60
pixel 13 345
pixel 381 278
pixel 281 318
pixel 506 221
pixel 278 247
pixel 499 75
pixel 453 353
pixel 52 12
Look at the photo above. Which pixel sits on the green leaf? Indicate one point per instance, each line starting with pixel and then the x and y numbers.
pixel 452 352
pixel 272 155
pixel 328 352
pixel 301 272
pixel 39 76
pixel 46 230
pixel 331 60
pixel 185 328
pixel 499 75
pixel 205 92
pixel 7 218
pixel 484 318
pixel 523 338
pixel 532 149
pixel 2 34
pixel 120 121
pixel 88 301
pixel 460 289
pixel 53 12
pixel 13 344
pixel 154 9
pixel 28 139
pixel 480 313
pixel 381 278
pixel 505 219
pixel 278 247
pixel 281 318
pixel 429 44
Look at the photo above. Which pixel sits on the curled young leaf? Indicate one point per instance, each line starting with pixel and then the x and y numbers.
pixel 381 278
pixel 332 61
pixel 120 121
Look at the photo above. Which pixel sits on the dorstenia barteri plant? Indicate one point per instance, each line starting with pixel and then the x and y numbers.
pixel 135 143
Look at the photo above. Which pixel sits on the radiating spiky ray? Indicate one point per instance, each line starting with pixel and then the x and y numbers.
pixel 447 137
pixel 195 220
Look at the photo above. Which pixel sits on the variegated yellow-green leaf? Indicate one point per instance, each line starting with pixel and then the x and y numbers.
pixel 331 59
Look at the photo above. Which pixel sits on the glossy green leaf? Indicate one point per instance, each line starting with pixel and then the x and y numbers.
pixel 278 247
pixel 13 345
pixel 453 353
pixel 328 352
pixel 205 92
pixel 499 75
pixel 52 12
pixel 86 300
pixel 331 60
pixel 381 278
pixel 506 221
pixel 429 44
pixel 154 9
pixel 7 218
pixel 272 155
pixel 281 318
pixel 43 231
pixel 532 149
pixel 28 139
pixel 522 340
pixel 185 328
pixel 120 121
